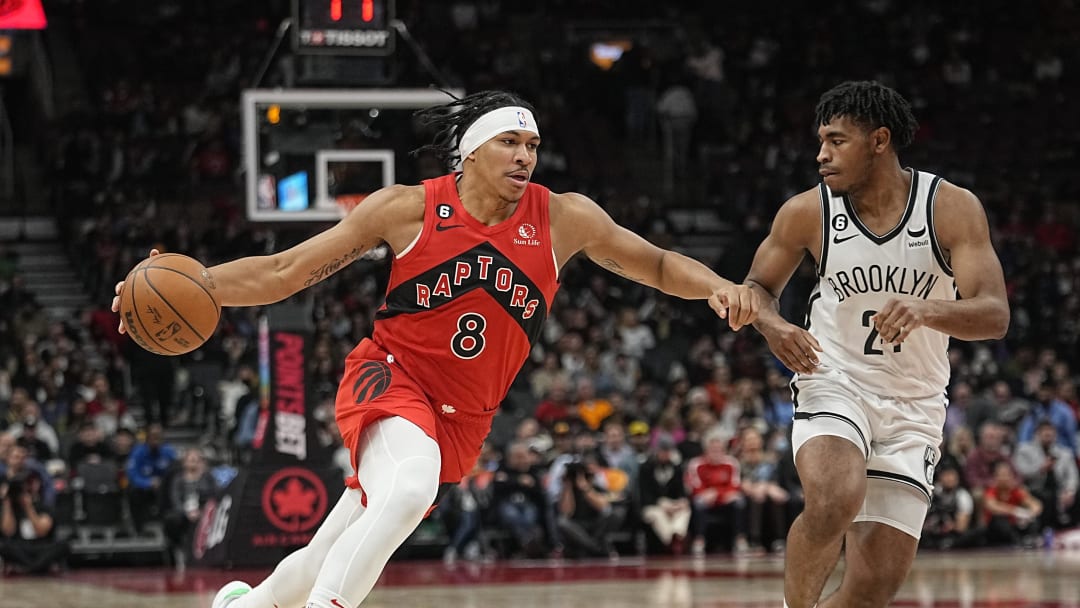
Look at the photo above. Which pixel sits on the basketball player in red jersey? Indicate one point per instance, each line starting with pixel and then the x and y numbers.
pixel 476 267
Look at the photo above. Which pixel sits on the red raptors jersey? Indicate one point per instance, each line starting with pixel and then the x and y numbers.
pixel 466 301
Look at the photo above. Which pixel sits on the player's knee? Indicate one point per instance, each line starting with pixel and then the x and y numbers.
pixel 414 490
pixel 832 513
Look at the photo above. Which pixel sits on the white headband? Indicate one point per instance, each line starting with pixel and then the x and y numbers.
pixel 500 120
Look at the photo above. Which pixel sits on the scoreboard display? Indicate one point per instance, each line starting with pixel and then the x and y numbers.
pixel 343 27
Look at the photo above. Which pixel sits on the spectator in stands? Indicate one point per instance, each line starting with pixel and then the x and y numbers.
pixel 956 416
pixel 74 417
pixel 692 444
pixel 586 515
pixel 556 404
pixel 664 503
pixel 41 431
pixel 760 486
pixel 615 451
pixel 592 410
pixel 713 480
pixel 949 521
pixel 544 378
pixel 15 463
pixel 529 432
pixel 1046 406
pixel 678 114
pixel 594 369
pixel 189 490
pixel 562 442
pixel 636 337
pixel 743 407
pixel 1010 512
pixel 27 535
pixel 779 403
pixel 247 409
pixel 788 478
pixel 35 446
pixel 624 372
pixel 958 447
pixel 720 387
pixel 518 498
pixel 89 446
pixel 999 405
pixel 640 440
pixel 120 446
pixel 147 467
pixel 107 411
pixel 1049 470
pixel 154 379
pixel 669 424
pixel 462 509
pixel 979 469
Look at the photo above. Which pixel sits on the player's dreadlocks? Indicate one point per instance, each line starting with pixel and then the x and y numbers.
pixel 870 104
pixel 450 120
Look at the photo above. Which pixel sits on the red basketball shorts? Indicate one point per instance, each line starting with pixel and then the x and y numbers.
pixel 374 387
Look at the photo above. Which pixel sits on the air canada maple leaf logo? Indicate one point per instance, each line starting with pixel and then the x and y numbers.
pixel 294 499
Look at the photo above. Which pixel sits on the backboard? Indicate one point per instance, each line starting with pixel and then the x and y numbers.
pixel 312 155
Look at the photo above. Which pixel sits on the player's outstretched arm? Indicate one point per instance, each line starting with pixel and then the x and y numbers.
pixel 982 313
pixel 777 258
pixel 258 280
pixel 581 225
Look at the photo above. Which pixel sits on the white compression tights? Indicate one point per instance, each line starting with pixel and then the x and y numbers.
pixel 399 469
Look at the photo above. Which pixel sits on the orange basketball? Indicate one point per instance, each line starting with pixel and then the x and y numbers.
pixel 167 304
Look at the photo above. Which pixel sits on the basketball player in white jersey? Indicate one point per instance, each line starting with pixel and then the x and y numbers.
pixel 894 248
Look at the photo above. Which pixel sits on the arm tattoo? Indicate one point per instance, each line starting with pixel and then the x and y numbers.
pixel 332 266
pixel 617 268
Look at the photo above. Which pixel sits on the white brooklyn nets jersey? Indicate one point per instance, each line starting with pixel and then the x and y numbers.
pixel 859 272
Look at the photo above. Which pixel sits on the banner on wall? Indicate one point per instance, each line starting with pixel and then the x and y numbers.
pixel 274 505
pixel 287 430
pixel 265 514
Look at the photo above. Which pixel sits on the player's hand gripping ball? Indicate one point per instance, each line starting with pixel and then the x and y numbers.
pixel 167 304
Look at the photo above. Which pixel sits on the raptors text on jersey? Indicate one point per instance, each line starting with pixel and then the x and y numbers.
pixel 466 301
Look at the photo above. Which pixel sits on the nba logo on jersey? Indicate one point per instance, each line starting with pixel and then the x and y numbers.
pixel 521 120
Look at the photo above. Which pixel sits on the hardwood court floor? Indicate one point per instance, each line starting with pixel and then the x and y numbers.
pixel 954 580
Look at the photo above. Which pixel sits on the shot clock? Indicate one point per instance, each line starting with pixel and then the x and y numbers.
pixel 343 27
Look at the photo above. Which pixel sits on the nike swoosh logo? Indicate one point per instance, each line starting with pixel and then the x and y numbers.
pixel 440 227
pixel 916 235
pixel 336 603
pixel 836 239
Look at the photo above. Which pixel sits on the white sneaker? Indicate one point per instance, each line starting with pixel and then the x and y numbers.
pixel 229 593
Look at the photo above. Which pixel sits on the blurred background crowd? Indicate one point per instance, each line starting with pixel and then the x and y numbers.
pixel 640 423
